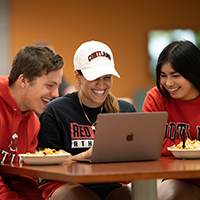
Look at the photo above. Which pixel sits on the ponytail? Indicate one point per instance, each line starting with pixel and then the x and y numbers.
pixel 111 104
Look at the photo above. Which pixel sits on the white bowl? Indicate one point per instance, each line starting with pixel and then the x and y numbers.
pixel 44 159
pixel 185 153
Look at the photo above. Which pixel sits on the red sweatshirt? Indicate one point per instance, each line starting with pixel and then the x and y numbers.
pixel 18 134
pixel 183 118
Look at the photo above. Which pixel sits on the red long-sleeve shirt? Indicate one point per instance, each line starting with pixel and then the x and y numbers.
pixel 183 117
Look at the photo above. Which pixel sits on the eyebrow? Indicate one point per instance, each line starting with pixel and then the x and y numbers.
pixel 52 82
pixel 169 73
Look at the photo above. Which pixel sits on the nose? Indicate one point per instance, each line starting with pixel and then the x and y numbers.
pixel 100 82
pixel 55 93
pixel 169 81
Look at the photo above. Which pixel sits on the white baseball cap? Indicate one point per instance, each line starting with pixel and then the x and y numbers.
pixel 94 59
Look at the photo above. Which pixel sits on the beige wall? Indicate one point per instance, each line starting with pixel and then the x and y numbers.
pixel 122 24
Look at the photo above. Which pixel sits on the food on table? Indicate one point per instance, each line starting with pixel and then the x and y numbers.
pixel 189 144
pixel 46 151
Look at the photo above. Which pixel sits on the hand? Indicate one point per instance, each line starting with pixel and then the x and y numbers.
pixel 84 155
pixel 87 154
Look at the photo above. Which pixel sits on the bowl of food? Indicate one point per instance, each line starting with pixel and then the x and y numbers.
pixel 45 157
pixel 190 151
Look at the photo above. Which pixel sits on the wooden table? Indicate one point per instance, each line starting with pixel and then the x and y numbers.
pixel 142 174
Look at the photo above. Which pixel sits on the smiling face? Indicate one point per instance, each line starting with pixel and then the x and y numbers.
pixel 93 93
pixel 37 93
pixel 176 84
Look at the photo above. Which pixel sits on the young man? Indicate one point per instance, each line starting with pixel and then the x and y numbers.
pixel 33 81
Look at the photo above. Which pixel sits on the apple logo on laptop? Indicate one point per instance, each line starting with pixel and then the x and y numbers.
pixel 129 137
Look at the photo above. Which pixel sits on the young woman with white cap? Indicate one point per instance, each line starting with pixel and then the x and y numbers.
pixel 68 122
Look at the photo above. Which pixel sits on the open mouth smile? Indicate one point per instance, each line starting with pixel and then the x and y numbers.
pixel 173 90
pixel 46 100
pixel 99 91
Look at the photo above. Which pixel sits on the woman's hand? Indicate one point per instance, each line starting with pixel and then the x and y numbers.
pixel 84 155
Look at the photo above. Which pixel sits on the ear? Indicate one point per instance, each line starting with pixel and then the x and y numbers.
pixel 22 80
pixel 77 77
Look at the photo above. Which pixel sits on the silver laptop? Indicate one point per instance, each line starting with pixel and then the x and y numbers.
pixel 123 137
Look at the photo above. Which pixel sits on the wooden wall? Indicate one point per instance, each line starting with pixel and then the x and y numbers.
pixel 123 25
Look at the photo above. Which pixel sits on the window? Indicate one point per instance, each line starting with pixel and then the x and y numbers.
pixel 158 39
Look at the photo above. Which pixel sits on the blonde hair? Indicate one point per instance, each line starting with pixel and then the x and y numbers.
pixel 111 104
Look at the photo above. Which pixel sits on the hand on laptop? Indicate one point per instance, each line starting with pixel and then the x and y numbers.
pixel 84 155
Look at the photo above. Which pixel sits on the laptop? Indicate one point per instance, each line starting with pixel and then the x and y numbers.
pixel 124 137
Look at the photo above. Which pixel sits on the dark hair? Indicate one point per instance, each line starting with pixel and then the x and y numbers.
pixel 34 61
pixel 184 58
pixel 110 104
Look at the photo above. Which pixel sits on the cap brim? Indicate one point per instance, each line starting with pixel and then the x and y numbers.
pixel 96 72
